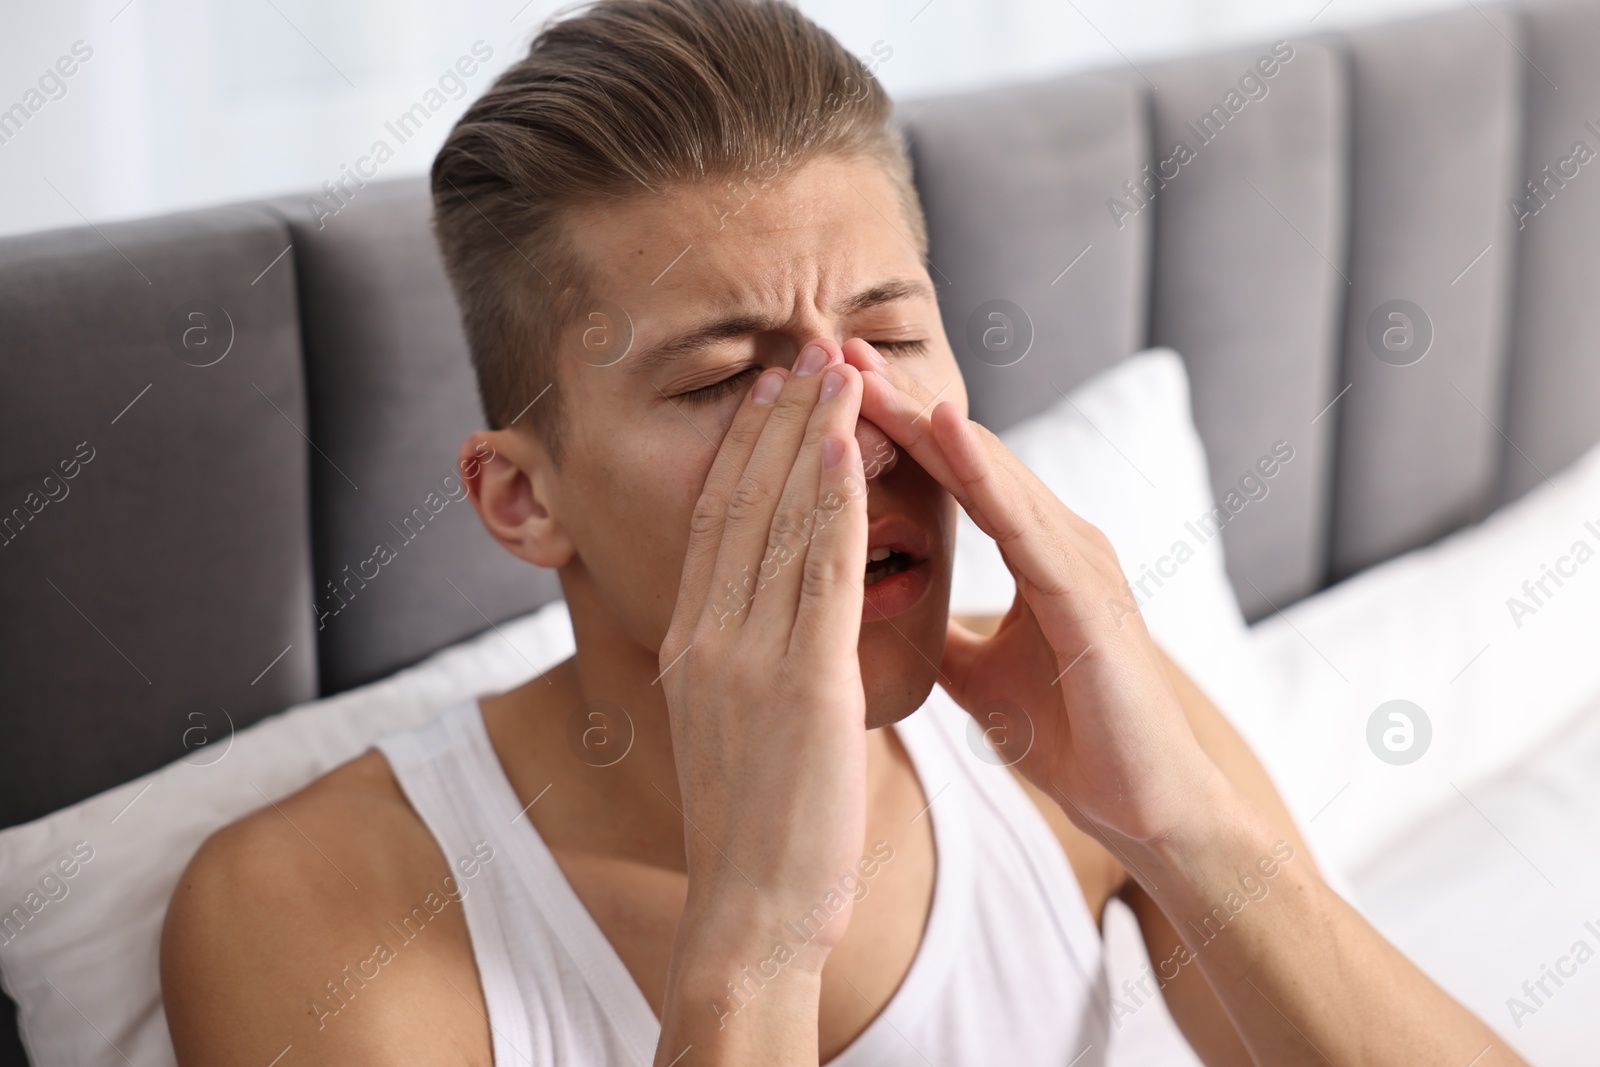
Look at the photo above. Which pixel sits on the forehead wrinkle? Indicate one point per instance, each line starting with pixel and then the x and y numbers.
pixel 726 289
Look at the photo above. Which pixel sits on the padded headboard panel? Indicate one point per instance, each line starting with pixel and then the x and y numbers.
pixel 154 569
pixel 392 395
pixel 1436 104
pixel 1248 288
pixel 1012 181
pixel 1028 196
pixel 1553 410
pixel 1375 176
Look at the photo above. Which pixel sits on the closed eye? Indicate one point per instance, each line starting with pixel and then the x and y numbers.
pixel 709 394
pixel 901 348
pixel 716 391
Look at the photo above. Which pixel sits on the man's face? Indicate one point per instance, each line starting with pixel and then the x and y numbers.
pixel 771 269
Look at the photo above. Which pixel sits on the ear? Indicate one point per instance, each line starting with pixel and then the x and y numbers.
pixel 509 476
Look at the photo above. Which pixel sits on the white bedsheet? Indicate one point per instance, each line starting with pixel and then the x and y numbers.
pixel 1502 884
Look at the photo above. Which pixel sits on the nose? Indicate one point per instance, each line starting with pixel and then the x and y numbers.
pixel 878 453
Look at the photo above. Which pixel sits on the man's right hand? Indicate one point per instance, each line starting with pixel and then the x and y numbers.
pixel 768 714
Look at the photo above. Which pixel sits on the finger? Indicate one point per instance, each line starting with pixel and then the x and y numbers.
pixel 805 511
pixel 827 620
pixel 711 509
pixel 1039 553
pixel 753 501
pixel 902 406
pixel 961 648
pixel 899 404
pixel 908 412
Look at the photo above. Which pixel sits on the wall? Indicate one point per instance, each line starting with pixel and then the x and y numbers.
pixel 184 103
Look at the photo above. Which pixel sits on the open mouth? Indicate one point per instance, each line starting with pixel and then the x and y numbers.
pixel 897 573
pixel 884 561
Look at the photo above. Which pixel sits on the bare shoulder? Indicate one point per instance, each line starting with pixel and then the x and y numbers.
pixel 327 921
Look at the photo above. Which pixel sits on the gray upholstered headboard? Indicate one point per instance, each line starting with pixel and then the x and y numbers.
pixel 191 563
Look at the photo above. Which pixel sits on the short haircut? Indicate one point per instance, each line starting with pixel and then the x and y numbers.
pixel 627 98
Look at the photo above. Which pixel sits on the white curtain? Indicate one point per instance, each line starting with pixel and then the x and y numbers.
pixel 173 104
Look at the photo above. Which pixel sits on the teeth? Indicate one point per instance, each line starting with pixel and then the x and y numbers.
pixel 878 555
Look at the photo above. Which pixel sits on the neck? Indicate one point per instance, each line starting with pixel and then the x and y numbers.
pixel 596 729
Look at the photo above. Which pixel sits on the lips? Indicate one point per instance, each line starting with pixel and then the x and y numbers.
pixel 897 534
pixel 896 573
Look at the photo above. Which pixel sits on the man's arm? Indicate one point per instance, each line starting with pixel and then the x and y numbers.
pixel 1301 975
pixel 1298 975
pixel 1191 1000
pixel 1201 1014
pixel 768 716
pixel 1194 1007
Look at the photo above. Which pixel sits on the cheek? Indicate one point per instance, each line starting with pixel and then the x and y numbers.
pixel 636 498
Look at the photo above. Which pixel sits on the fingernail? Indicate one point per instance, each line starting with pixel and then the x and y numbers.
pixel 811 361
pixel 767 388
pixel 832 452
pixel 832 382
pixel 877 357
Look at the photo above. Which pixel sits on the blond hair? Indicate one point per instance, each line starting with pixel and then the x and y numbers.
pixel 625 98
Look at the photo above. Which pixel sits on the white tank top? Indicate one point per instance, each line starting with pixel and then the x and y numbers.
pixel 1010 969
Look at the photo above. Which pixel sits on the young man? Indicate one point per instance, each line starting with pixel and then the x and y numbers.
pixel 691 267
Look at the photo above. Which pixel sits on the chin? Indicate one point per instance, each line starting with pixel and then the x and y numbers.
pixel 903 627
pixel 896 674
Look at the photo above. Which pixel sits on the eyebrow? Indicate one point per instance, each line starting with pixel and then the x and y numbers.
pixel 742 325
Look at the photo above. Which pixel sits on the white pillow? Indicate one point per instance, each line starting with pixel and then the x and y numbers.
pixel 1445 628
pixel 94 948
pixel 1121 450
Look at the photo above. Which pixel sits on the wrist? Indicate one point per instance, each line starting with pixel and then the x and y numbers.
pixel 728 929
pixel 1212 806
pixel 737 993
pixel 1213 819
pixel 1226 840
pixel 729 985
